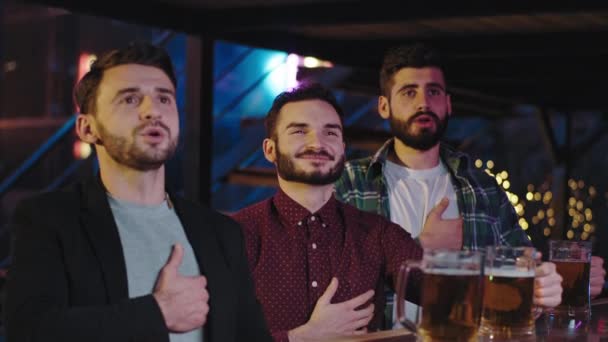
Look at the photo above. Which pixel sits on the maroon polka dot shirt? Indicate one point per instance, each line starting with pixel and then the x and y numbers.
pixel 293 254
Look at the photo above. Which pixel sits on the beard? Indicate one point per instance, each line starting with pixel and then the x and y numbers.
pixel 425 138
pixel 130 153
pixel 287 169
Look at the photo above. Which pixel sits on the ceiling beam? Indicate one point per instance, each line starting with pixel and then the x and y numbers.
pixel 200 18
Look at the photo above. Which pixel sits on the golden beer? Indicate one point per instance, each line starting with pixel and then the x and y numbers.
pixel 508 303
pixel 451 301
pixel 575 283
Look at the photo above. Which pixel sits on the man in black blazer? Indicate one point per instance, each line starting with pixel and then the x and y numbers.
pixel 117 257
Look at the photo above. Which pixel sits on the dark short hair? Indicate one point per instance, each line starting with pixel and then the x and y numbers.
pixel 85 92
pixel 308 91
pixel 407 56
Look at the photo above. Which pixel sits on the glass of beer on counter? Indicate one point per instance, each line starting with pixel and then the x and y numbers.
pixel 450 298
pixel 508 293
pixel 573 262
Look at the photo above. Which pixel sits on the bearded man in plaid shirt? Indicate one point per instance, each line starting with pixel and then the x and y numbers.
pixel 430 189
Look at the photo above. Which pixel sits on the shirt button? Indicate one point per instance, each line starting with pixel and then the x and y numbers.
pixel 313 218
pixel 314 246
pixel 300 223
pixel 314 284
pixel 323 225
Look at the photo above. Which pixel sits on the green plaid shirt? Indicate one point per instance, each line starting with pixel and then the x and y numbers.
pixel 488 216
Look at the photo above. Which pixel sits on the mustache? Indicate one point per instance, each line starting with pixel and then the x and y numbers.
pixel 311 153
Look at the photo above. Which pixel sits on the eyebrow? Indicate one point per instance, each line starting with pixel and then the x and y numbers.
pixel 415 85
pixel 136 89
pixel 296 125
pixel 334 126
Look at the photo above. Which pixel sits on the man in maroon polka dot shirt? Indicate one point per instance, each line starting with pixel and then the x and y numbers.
pixel 319 266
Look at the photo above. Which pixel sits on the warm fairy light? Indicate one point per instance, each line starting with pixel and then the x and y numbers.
pixel 498 179
pixel 541 214
pixel 530 187
pixel 581 184
pixel 592 191
pixel 551 221
pixel 504 175
pixel 570 234
pixel 572 201
pixel 535 220
pixel 529 196
pixel 587 227
pixel 537 196
pixel 478 163
pixel 547 231
pixel 506 184
pixel 550 212
pixel 490 164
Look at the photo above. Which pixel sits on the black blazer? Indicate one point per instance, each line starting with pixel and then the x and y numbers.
pixel 68 280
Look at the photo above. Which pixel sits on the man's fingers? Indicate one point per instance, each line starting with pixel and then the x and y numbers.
pixel 329 292
pixel 547 291
pixel 360 323
pixel 364 313
pixel 361 299
pixel 175 259
pixel 455 222
pixel 550 302
pixel 597 261
pixel 438 210
pixel 545 269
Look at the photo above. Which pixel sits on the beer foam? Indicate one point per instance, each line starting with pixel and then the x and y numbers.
pixel 452 272
pixel 510 273
pixel 571 261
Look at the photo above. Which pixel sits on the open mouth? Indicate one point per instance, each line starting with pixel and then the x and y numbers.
pixel 424 119
pixel 154 135
pixel 316 156
pixel 155 132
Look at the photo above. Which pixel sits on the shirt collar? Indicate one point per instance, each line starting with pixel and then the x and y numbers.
pixel 293 214
pixel 454 160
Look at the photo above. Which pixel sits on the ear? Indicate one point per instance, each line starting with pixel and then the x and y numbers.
pixel 449 104
pixel 86 130
pixel 270 150
pixel 384 107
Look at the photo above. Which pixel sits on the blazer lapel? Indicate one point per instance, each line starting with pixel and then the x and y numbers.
pixel 213 265
pixel 99 224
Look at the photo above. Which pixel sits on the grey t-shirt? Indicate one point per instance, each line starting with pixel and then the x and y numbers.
pixel 147 234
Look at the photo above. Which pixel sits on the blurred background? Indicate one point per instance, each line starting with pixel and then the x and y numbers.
pixel 528 84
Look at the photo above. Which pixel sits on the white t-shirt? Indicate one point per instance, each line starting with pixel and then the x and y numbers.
pixel 414 193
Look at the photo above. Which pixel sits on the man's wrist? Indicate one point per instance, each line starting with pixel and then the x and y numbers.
pixel 299 334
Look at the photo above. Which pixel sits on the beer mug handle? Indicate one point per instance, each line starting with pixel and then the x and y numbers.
pixel 536 311
pixel 402 277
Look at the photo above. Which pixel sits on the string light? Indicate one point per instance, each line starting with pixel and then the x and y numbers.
pixel 542 214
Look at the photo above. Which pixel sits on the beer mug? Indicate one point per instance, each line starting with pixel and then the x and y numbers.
pixel 573 262
pixel 450 295
pixel 508 293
